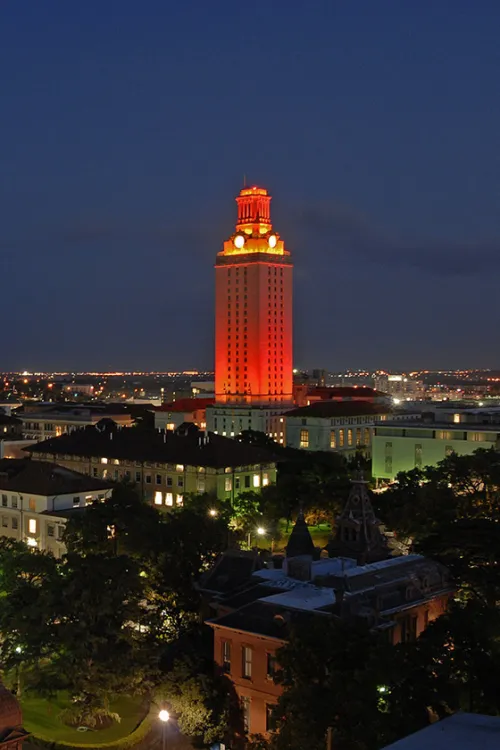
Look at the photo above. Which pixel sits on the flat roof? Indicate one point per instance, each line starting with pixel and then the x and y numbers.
pixel 457 732
pixel 451 426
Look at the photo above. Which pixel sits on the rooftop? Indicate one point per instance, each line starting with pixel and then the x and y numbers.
pixel 418 424
pixel 458 732
pixel 44 478
pixel 138 444
pixel 186 404
pixel 345 391
pixel 330 409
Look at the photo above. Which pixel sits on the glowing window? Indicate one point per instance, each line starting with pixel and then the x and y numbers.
pixel 169 499
pixel 179 467
pixel 349 437
pixel 256 480
pixel 180 500
pixel 333 439
pixel 304 438
pixel 158 498
pixel 104 460
pixel 32 526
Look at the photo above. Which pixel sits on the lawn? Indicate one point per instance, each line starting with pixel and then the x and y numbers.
pixel 40 716
pixel 320 535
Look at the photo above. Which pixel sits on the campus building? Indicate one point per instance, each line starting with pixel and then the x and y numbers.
pixel 402 445
pixel 164 466
pixel 37 498
pixel 253 322
pixel 253 615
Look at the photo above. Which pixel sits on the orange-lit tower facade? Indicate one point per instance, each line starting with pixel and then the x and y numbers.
pixel 253 309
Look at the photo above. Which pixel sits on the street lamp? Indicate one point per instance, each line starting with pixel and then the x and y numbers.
pixel 164 716
pixel 260 531
pixel 212 512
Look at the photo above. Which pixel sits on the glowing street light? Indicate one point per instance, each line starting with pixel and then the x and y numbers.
pixel 260 530
pixel 212 512
pixel 164 716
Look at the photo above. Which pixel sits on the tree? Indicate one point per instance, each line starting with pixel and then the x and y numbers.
pixel 203 703
pixel 331 671
pixel 28 583
pixel 258 439
pixel 99 642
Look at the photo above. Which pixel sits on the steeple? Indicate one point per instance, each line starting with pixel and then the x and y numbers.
pixel 357 532
pixel 300 541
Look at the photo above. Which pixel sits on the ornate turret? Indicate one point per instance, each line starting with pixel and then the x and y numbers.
pixel 357 532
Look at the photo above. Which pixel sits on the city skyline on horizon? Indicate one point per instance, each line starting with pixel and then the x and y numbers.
pixel 376 142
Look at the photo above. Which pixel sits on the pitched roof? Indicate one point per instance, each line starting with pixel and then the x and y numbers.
pixel 44 478
pixel 186 404
pixel 300 541
pixel 329 409
pixel 345 391
pixel 262 618
pixel 137 444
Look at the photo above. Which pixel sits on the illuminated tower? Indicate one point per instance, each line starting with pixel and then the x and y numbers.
pixel 253 309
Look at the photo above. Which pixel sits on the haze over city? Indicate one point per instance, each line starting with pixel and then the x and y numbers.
pixel 127 135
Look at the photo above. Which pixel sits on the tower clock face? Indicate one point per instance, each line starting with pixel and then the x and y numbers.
pixel 272 240
pixel 239 241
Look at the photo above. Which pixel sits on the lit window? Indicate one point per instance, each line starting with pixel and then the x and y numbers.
pixel 179 467
pixel 456 418
pixel 104 460
pixel 170 426
pixel 158 498
pixel 180 500
pixel 32 526
pixel 169 498
pixel 333 439
pixel 304 438
pixel 228 484
pixel 256 480
pixel 265 479
pixel 226 656
pixel 349 437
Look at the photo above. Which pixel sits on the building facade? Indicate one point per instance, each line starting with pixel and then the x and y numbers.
pixel 186 410
pixel 253 309
pixel 163 466
pixel 36 499
pixel 399 445
pixel 342 426
pixel 45 421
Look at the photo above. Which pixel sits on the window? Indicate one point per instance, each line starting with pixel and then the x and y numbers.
pixel 418 455
pixel 32 526
pixel 158 498
pixel 13 500
pixel 104 460
pixel 226 656
pixel 137 476
pixel 304 438
pixel 158 479
pixel 32 504
pixel 270 722
pixel 4 501
pixel 170 482
pixel 246 667
pixel 265 479
pixel 180 481
pixel 271 665
pixel 179 467
pixel 333 439
pixel 247 482
pixel 476 437
pixel 60 532
pixel 95 472
pixel 148 478
pixel 236 483
pixel 245 710
pixel 409 629
pixel 358 436
pixel 15 523
pixel 180 500
pixel 228 484
pixel 51 529
pixel 256 480
pixel 443 435
pixel 366 438
pixel 76 502
pixel 5 522
pixel 341 438
pixel 169 498
pixel 349 437
pixel 388 464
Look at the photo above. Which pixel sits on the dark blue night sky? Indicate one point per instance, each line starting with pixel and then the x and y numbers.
pixel 126 128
